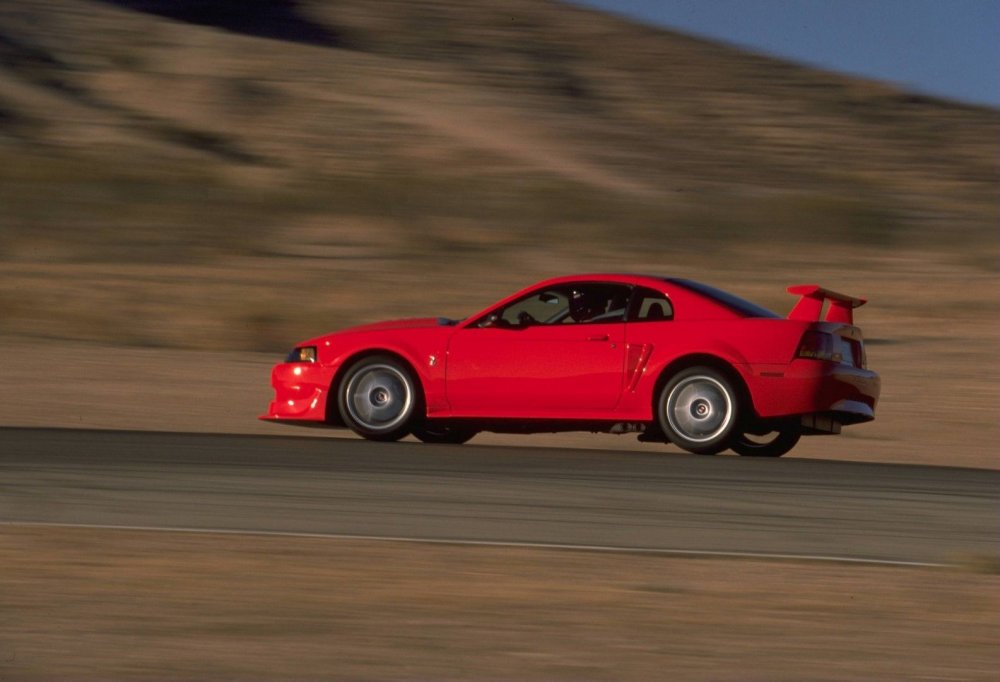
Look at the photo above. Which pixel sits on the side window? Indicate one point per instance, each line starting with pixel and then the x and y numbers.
pixel 649 305
pixel 544 307
pixel 583 303
pixel 599 303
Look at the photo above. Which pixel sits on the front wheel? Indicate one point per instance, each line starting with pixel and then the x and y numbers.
pixel 699 410
pixel 773 444
pixel 378 398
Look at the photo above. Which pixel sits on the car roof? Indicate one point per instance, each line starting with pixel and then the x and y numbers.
pixel 615 277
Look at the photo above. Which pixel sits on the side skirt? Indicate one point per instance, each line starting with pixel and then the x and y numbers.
pixel 547 425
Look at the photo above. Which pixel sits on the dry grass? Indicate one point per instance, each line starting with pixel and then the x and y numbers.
pixel 80 603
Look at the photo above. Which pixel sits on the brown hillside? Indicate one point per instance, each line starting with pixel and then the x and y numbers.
pixel 165 144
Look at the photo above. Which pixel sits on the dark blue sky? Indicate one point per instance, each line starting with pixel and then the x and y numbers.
pixel 949 48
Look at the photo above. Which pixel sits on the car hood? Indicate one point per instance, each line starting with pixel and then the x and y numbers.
pixel 388 325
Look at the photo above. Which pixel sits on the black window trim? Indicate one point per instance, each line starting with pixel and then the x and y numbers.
pixel 633 305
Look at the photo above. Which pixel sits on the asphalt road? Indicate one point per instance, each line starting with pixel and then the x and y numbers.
pixel 661 500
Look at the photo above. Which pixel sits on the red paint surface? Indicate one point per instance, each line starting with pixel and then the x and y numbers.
pixel 592 371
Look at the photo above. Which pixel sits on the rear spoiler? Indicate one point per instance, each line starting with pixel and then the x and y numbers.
pixel 813 296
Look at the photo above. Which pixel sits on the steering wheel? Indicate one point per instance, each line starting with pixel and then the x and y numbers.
pixel 524 319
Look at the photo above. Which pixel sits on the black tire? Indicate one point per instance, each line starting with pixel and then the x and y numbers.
pixel 378 398
pixel 454 434
pixel 774 444
pixel 699 410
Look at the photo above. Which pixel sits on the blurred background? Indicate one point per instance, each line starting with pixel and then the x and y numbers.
pixel 238 176
pixel 190 187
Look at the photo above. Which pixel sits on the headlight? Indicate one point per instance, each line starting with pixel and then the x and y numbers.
pixel 302 354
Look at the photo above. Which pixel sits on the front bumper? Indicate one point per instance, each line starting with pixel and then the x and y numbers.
pixel 300 392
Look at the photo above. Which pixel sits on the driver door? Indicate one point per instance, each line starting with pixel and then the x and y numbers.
pixel 533 360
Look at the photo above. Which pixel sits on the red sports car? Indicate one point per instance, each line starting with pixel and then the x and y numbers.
pixel 670 359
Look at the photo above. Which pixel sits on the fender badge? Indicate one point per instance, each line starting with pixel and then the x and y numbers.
pixel 432 360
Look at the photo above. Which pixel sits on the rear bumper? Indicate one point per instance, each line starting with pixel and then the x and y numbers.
pixel 300 392
pixel 844 412
pixel 845 394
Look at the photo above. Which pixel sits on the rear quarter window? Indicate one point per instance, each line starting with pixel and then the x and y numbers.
pixel 649 305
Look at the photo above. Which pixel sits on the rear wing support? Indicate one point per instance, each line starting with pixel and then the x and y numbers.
pixel 813 296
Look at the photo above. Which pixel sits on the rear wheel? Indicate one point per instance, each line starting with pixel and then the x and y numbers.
pixel 773 444
pixel 699 410
pixel 455 434
pixel 378 398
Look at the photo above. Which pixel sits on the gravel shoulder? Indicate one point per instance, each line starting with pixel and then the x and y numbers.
pixel 124 604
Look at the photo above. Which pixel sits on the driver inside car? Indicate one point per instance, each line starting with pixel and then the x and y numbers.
pixel 584 307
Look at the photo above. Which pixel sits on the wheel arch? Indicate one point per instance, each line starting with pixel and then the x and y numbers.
pixel 703 360
pixel 333 417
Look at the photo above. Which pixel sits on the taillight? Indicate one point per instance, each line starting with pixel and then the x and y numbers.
pixel 817 345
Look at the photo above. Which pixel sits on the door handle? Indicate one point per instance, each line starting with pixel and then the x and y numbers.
pixel 598 338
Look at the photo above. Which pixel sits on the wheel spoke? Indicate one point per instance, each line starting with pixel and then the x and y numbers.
pixel 379 397
pixel 699 408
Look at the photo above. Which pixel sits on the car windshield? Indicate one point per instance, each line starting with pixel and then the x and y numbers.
pixel 735 303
